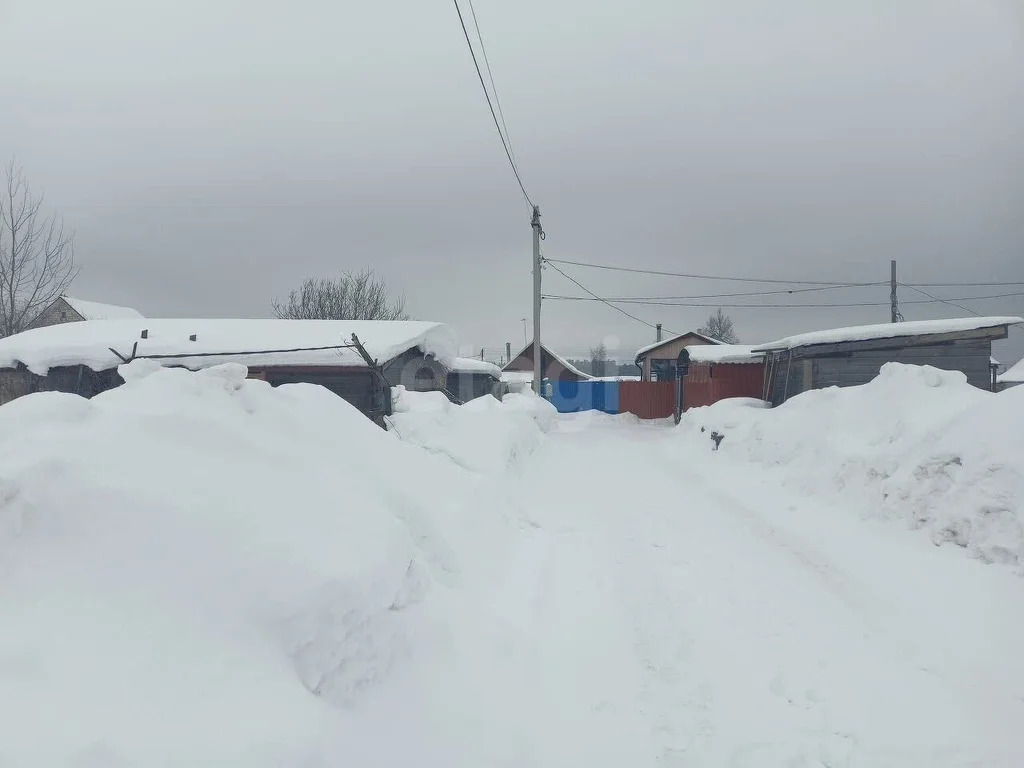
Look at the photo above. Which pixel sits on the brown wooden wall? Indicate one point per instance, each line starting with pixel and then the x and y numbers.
pixel 648 399
pixel 706 384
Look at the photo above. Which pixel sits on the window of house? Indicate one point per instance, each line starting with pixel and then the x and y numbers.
pixel 663 370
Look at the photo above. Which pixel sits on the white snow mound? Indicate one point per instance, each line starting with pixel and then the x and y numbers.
pixel 198 569
pixel 485 435
pixel 916 443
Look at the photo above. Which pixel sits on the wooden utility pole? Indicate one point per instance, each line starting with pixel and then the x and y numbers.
pixel 538 234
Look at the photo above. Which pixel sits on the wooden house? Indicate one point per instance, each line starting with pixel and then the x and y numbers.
pixel 553 366
pixel 657 361
pixel 68 310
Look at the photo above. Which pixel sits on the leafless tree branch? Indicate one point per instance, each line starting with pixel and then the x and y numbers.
pixel 353 296
pixel 37 255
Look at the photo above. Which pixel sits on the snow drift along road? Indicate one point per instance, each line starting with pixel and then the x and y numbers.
pixel 198 569
pixel 916 443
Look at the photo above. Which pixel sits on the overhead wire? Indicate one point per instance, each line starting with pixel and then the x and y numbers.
pixel 785 291
pixel 490 77
pixel 642 302
pixel 490 105
pixel 779 281
pixel 595 297
pixel 950 302
pixel 694 276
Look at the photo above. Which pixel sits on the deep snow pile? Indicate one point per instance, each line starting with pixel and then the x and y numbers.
pixel 198 569
pixel 484 435
pixel 916 442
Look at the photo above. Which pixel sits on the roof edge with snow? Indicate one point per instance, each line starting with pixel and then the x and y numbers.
pixel 643 351
pixel 557 357
pixel 883 331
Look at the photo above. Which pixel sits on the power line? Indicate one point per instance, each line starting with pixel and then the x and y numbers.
pixel 931 300
pixel 950 302
pixel 490 76
pixel 786 291
pixel 842 283
pixel 490 105
pixel 595 297
pixel 962 285
pixel 780 281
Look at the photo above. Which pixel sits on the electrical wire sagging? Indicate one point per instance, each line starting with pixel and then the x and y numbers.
pixel 490 104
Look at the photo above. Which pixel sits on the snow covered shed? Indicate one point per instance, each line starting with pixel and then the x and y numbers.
pixel 83 357
pixel 553 366
pixel 68 310
pixel 657 361
pixel 846 357
pixel 469 378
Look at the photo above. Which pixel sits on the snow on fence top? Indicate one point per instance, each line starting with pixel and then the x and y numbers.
pixel 1014 374
pixel 723 353
pixel 248 342
pixel 472 365
pixel 887 331
pixel 91 310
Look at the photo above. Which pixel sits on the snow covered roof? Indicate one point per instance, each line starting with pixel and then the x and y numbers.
pixel 92 310
pixel 723 353
pixel 262 342
pixel 521 377
pixel 1014 374
pixel 644 350
pixel 558 358
pixel 888 331
pixel 472 365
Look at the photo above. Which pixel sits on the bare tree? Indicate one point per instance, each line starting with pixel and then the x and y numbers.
pixel 599 360
pixel 352 296
pixel 37 255
pixel 719 326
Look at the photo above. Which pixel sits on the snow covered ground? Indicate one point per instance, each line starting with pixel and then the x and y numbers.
pixel 198 569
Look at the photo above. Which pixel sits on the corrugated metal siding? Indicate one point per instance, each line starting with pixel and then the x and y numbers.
pixel 971 356
pixel 787 380
pixel 648 399
pixel 706 383
pixel 574 396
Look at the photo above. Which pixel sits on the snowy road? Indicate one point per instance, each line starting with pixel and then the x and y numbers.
pixel 486 586
pixel 652 618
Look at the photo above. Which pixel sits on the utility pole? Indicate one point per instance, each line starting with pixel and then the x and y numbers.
pixel 893 298
pixel 538 233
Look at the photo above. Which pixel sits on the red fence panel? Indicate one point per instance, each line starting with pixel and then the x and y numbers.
pixel 648 399
pixel 706 384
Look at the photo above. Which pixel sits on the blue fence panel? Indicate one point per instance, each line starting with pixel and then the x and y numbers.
pixel 575 396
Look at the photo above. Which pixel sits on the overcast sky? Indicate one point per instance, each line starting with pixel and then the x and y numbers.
pixel 210 154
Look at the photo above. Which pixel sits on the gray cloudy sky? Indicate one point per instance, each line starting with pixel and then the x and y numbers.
pixel 212 153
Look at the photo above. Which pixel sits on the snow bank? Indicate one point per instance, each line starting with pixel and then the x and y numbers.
pixel 916 443
pixel 485 435
pixel 198 569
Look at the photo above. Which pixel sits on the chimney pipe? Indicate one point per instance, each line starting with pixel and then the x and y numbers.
pixel 658 328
